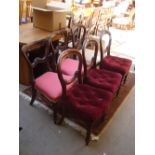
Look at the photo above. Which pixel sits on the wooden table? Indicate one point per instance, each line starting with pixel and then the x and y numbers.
pixel 27 34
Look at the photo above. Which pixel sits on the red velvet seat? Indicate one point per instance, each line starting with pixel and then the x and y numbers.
pixel 99 78
pixel 117 64
pixel 87 103
pixel 113 63
pixel 46 82
pixel 77 36
pixel 69 66
pixel 49 84
pixel 104 79
pixel 83 102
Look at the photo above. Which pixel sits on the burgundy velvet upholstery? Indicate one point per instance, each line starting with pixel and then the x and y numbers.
pixel 69 66
pixel 102 78
pixel 87 103
pixel 117 64
pixel 49 84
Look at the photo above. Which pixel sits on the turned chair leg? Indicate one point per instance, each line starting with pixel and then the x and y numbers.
pixel 34 94
pixel 118 90
pixel 54 115
pixel 57 120
pixel 125 78
pixel 20 128
pixel 88 135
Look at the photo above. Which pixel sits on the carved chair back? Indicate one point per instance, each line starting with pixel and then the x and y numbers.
pixel 38 57
pixel 92 46
pixel 105 48
pixel 78 34
pixel 69 53
pixel 59 42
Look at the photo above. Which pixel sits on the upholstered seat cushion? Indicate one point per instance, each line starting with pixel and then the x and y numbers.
pixel 49 85
pixel 117 64
pixel 102 78
pixel 87 103
pixel 69 66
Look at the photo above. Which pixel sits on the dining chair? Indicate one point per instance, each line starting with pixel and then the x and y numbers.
pixel 113 63
pixel 99 78
pixel 59 41
pixel 75 38
pixel 69 65
pixel 47 82
pixel 83 103
pixel 125 22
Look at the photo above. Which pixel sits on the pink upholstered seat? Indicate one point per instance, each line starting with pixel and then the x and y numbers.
pixel 117 64
pixel 69 66
pixel 49 84
pixel 102 78
pixel 87 103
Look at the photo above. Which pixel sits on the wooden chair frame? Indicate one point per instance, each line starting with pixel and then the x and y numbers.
pixel 107 50
pixel 26 49
pixel 69 52
pixel 93 61
pixel 76 37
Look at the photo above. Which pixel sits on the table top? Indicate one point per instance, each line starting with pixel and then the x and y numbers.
pixel 28 33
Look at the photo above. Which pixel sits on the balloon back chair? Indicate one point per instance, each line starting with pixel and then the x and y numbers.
pixel 113 63
pixel 46 83
pixel 83 103
pixel 59 41
pixel 99 78
pixel 77 36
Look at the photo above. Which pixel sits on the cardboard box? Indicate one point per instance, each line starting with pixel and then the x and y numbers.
pixel 49 20
pixel 49 15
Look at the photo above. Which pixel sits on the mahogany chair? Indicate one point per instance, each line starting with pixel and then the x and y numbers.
pixel 59 42
pixel 77 35
pixel 113 63
pixel 83 103
pixel 69 65
pixel 99 78
pixel 47 82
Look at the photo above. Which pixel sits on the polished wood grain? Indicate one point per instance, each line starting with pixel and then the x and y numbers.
pixel 28 33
